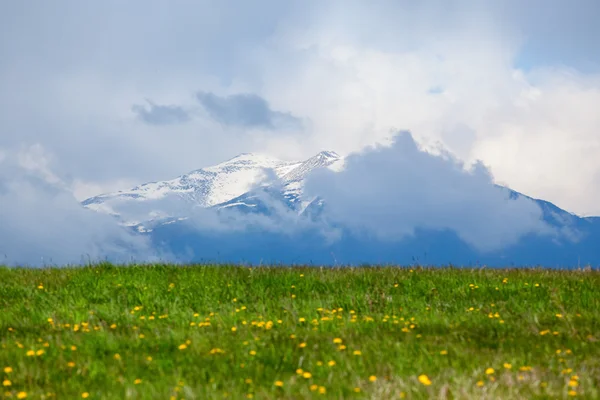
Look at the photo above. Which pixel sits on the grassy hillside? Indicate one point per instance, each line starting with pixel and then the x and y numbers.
pixel 205 332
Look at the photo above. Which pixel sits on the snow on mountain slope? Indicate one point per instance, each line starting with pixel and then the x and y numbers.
pixel 206 187
pixel 291 186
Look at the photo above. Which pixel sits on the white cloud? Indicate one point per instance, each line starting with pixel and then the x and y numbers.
pixel 452 82
pixel 42 223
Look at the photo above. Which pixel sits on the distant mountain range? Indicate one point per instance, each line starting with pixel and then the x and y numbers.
pixel 252 208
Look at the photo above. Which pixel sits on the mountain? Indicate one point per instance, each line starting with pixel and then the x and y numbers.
pixel 224 185
pixel 252 208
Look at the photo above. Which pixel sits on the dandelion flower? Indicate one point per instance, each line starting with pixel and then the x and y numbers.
pixel 489 371
pixel 6 382
pixel 331 363
pixel 322 390
pixel 507 365
pixel 21 395
pixel 372 378
pixel 70 364
pixel 8 370
pixel 85 395
pixel 480 383
pixel 573 383
pixel 137 381
pixel 337 340
pixel 182 346
pixel 307 375
pixel 279 383
pixel 424 379
pixel 444 352
pixel 357 352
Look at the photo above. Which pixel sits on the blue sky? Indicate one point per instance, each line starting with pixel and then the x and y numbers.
pixel 103 96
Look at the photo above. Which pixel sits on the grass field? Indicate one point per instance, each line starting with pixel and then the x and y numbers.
pixel 204 332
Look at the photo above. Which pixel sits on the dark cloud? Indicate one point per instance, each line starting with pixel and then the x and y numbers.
pixel 393 191
pixel 161 115
pixel 246 110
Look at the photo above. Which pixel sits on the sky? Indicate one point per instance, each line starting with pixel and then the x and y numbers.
pixel 162 88
pixel 114 94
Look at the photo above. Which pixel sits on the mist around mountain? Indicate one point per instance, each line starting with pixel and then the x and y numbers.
pixel 385 205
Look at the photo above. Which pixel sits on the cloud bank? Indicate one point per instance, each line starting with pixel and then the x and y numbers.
pixel 43 224
pixel 390 192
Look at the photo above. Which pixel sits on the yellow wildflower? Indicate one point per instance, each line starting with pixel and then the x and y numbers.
pixel 372 378
pixel 424 379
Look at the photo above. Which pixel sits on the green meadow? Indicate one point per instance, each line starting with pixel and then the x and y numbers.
pixel 215 332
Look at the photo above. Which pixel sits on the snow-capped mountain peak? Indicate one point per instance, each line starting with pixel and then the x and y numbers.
pixel 207 187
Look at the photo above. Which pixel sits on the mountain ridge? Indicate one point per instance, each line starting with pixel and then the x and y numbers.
pixel 167 211
pixel 211 186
